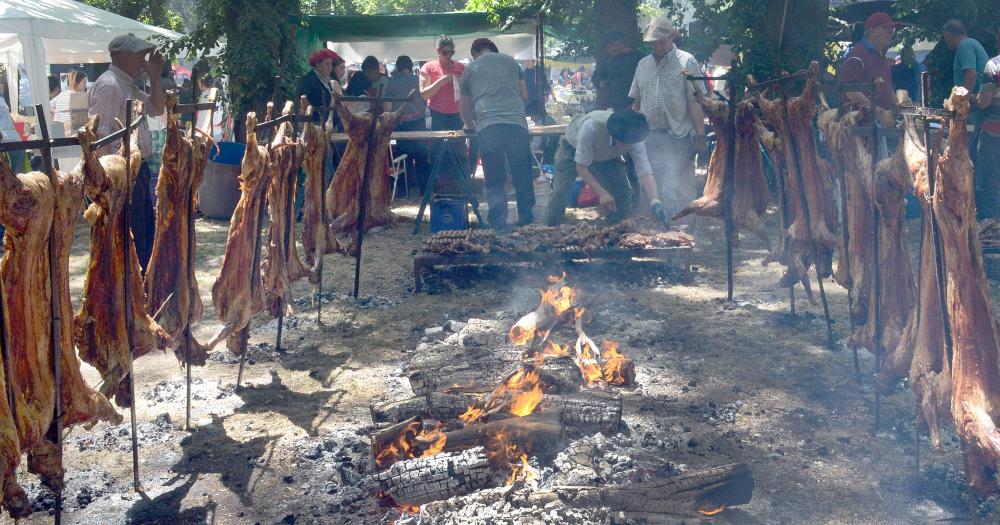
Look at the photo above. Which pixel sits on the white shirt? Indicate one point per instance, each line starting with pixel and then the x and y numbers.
pixel 107 99
pixel 585 149
pixel 663 90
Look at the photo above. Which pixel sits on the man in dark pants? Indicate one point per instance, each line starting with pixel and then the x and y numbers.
pixel 988 155
pixel 107 100
pixel 493 94
pixel 592 149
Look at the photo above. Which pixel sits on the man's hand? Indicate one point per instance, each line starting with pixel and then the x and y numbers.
pixel 607 201
pixel 659 212
pixel 154 66
pixel 699 143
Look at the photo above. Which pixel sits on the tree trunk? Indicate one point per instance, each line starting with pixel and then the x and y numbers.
pixel 620 15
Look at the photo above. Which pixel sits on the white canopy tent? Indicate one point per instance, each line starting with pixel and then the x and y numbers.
pixel 40 32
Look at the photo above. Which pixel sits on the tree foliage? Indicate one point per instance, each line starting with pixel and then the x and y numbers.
pixel 579 23
pixel 258 36
pixel 768 36
pixel 155 12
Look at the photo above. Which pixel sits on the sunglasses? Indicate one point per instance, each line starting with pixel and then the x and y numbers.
pixel 446 52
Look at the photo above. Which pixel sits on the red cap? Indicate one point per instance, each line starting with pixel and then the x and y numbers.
pixel 322 55
pixel 879 18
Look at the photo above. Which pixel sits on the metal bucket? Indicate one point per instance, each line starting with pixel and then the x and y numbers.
pixel 220 192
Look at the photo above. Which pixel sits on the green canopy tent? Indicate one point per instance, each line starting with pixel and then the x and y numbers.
pixel 387 36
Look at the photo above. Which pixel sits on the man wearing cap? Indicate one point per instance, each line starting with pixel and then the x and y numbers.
pixel 614 74
pixel 665 96
pixel 866 62
pixel 493 94
pixel 107 101
pixel 592 149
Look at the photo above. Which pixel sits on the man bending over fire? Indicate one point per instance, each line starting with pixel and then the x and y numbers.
pixel 592 149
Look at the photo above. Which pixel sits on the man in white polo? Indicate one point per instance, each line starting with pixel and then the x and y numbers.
pixel 665 96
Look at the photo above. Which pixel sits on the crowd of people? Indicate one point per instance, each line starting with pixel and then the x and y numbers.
pixel 972 68
pixel 636 149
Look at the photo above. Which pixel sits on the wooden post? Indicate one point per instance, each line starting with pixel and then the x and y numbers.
pixel 55 342
pixel 729 184
pixel 363 194
pixel 127 303
pixel 877 282
pixel 190 254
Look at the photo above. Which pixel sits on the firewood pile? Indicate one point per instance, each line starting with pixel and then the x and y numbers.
pixel 581 236
pixel 496 414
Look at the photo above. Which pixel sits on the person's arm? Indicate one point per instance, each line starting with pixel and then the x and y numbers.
pixel 969 79
pixel 427 88
pixel 853 71
pixel 524 90
pixel 988 91
pixel 466 110
pixel 157 96
pixel 607 200
pixel 633 92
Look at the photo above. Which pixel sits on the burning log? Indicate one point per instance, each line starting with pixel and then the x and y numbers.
pixel 601 365
pixel 558 373
pixel 442 476
pixel 557 301
pixel 439 405
pixel 694 495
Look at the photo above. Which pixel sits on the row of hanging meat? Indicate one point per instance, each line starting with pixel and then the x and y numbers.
pixel 164 303
pixel 959 380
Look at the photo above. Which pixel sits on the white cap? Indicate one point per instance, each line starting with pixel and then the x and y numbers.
pixel 660 28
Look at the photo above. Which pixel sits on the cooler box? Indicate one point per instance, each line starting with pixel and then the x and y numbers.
pixel 449 212
pixel 221 190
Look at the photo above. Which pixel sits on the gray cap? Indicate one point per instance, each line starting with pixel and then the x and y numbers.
pixel 661 28
pixel 129 44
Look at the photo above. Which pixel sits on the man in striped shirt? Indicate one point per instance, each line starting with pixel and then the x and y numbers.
pixel 107 100
pixel 677 123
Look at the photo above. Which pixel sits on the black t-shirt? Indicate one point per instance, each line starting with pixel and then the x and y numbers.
pixel 616 73
pixel 359 85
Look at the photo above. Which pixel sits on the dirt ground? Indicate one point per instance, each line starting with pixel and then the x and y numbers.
pixel 718 383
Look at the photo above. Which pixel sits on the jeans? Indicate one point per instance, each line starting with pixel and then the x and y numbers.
pixel 503 146
pixel 143 219
pixel 987 177
pixel 672 160
pixel 610 174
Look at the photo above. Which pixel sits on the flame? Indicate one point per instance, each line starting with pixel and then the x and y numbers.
pixel 520 335
pixel 431 441
pixel 555 349
pixel 527 389
pixel 472 414
pixel 560 300
pixel 613 363
pixel 521 470
pixel 408 508
pixel 712 512
pixel 586 361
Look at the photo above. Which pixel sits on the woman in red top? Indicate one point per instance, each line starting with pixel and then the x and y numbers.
pixel 437 86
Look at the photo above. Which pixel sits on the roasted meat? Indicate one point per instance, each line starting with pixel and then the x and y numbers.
pixel 237 293
pixel 792 123
pixel 850 153
pixel 316 232
pixel 29 208
pixel 100 326
pixel 750 191
pixel 975 402
pixel 171 287
pixel 280 268
pixel 342 195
